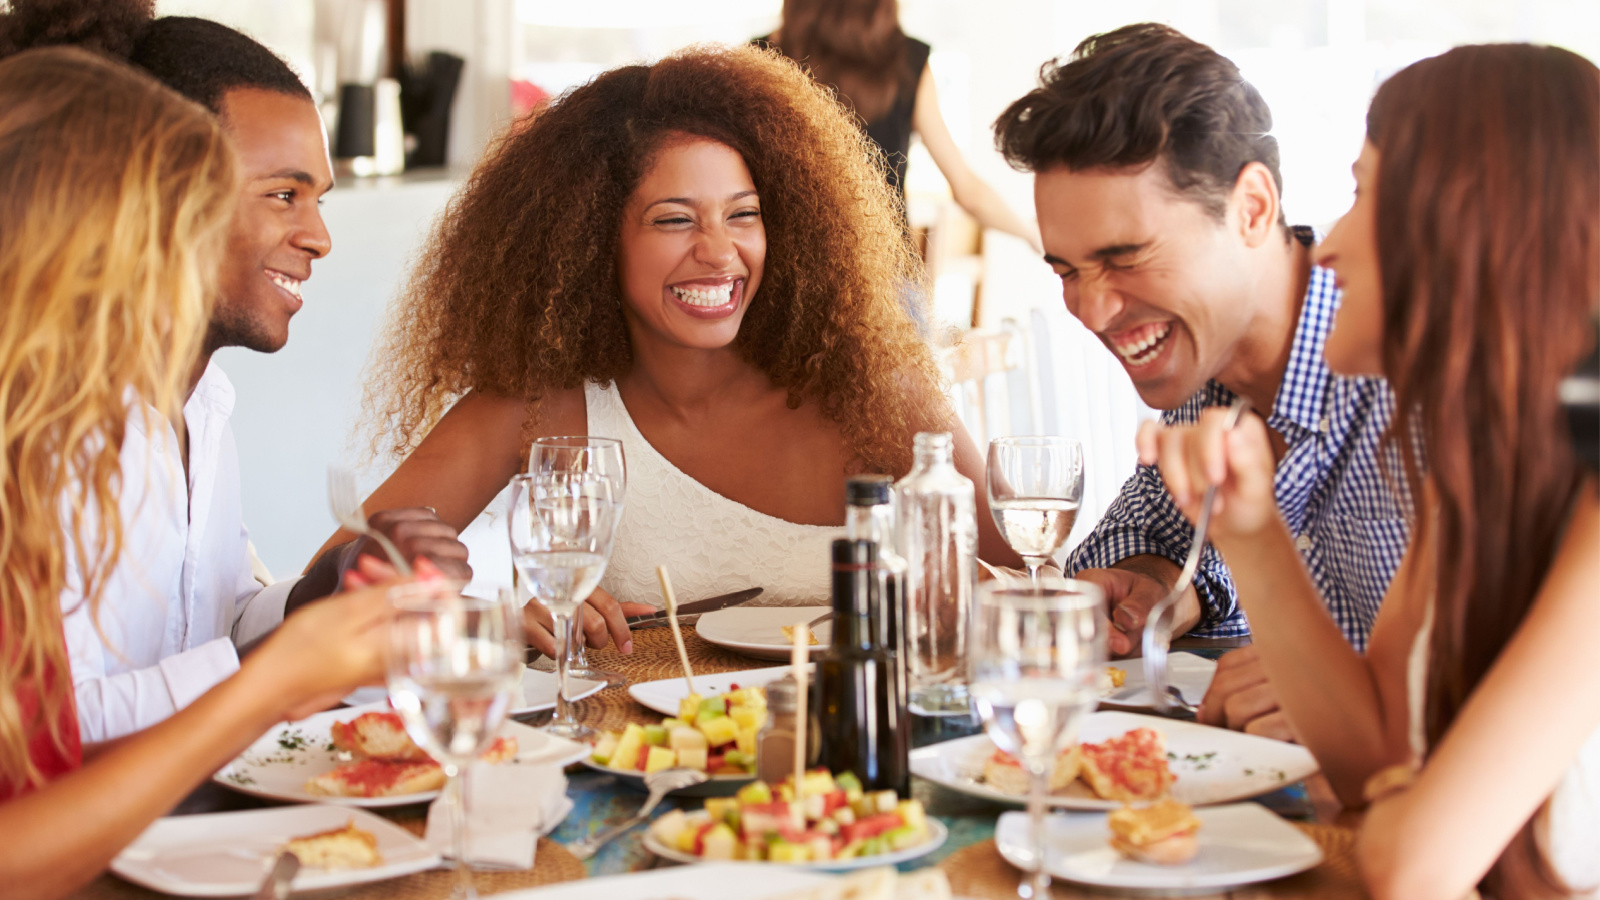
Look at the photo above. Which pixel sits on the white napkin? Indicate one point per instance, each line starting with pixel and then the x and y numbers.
pixel 511 806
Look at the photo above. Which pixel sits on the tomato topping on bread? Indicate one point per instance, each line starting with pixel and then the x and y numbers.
pixel 1130 767
pixel 377 735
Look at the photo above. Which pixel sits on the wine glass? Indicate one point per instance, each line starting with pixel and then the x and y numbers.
pixel 1038 652
pixel 600 456
pixel 1035 485
pixel 455 668
pixel 561 526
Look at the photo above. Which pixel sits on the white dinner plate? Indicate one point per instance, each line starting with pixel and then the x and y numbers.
pixel 1212 765
pixel 228 854
pixel 711 881
pixel 664 696
pixel 937 833
pixel 538 692
pixel 1239 844
pixel 758 630
pixel 1189 673
pixel 278 765
pixel 713 786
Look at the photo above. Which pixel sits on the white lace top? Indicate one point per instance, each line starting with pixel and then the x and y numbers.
pixel 710 545
pixel 1568 829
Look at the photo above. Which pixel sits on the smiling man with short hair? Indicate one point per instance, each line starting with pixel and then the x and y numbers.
pixel 1158 194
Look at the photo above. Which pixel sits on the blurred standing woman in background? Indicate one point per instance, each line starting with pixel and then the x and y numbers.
pixel 857 48
pixel 1470 263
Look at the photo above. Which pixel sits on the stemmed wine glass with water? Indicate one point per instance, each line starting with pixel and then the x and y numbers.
pixel 561 525
pixel 1035 486
pixel 1038 652
pixel 597 456
pixel 455 668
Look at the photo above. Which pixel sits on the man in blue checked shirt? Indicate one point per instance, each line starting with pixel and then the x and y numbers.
pixel 1158 190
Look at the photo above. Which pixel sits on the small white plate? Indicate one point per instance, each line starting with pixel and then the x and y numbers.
pixel 1189 673
pixel 711 881
pixel 936 838
pixel 538 692
pixel 228 854
pixel 1240 844
pixel 758 630
pixel 663 696
pixel 278 765
pixel 1213 765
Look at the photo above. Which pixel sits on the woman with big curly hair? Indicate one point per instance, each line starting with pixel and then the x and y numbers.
pixel 1470 264
pixel 701 258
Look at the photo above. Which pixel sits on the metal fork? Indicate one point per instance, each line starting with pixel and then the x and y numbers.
pixel 1158 626
pixel 346 505
pixel 660 784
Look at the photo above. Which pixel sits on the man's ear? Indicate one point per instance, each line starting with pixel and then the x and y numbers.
pixel 1255 202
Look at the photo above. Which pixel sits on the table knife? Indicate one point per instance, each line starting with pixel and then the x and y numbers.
pixel 698 607
pixel 276 884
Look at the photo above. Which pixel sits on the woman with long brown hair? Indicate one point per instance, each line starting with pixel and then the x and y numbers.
pixel 857 48
pixel 698 258
pixel 1470 263
pixel 115 194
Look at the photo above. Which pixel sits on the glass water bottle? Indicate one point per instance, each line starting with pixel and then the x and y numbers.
pixel 938 538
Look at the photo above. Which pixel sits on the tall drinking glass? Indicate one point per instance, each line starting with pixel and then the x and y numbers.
pixel 561 528
pixel 1035 486
pixel 455 668
pixel 1037 656
pixel 598 456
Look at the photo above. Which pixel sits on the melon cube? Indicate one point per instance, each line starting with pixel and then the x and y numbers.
pixel 692 758
pixel 665 829
pixel 683 737
pixel 718 843
pixel 604 747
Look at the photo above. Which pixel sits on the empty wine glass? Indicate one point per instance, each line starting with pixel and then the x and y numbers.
pixel 1038 652
pixel 1035 485
pixel 599 456
pixel 455 668
pixel 561 528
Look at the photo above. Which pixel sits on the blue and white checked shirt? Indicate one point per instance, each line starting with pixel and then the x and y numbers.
pixel 1350 518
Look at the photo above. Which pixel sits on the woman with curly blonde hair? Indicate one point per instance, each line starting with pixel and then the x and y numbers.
pixel 115 194
pixel 698 257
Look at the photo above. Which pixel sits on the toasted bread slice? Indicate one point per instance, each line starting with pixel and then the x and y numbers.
pixel 1164 833
pixel 377 735
pixel 1130 767
pixel 1004 773
pixel 342 848
pixel 377 778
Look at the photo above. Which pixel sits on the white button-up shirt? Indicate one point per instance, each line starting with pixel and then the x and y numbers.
pixel 182 595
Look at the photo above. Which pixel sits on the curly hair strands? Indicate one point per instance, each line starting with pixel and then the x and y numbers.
pixel 1141 94
pixel 518 293
pixel 1488 234
pixel 114 195
pixel 853 46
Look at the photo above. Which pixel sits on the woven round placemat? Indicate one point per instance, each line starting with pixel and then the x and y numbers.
pixel 980 871
pixel 552 865
pixel 654 657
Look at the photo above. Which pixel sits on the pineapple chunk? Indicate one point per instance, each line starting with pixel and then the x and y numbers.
pixel 722 808
pixel 659 758
pixel 750 718
pixel 746 742
pixel 720 730
pixel 626 753
pixel 719 843
pixel 818 781
pixel 666 828
pixel 693 758
pixel 606 746
pixel 688 707
pixel 784 851
pixel 912 814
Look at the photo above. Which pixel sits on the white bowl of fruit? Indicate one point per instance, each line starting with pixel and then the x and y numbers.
pixel 715 735
pixel 835 825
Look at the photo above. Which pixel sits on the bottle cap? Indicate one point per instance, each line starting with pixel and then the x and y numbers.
pixel 783 695
pixel 868 490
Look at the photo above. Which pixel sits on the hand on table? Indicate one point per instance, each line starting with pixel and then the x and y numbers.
pixel 1132 588
pixel 603 622
pixel 1241 698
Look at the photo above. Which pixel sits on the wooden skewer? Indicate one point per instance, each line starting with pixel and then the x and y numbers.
pixel 797 659
pixel 672 619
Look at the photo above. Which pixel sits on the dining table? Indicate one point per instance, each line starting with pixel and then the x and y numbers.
pixel 969 856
